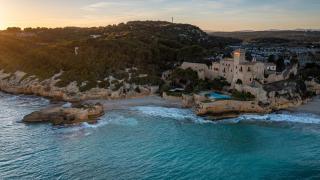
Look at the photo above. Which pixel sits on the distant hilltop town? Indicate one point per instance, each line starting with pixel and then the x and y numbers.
pixel 238 70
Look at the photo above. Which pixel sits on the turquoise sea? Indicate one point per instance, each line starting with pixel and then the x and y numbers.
pixel 151 142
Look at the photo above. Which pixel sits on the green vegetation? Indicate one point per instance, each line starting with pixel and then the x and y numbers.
pixel 176 94
pixel 150 80
pixel 151 46
pixel 207 101
pixel 311 71
pixel 242 96
pixel 273 36
pixel 218 84
pixel 279 62
pixel 239 81
pixel 189 81
pixel 270 40
pixel 186 79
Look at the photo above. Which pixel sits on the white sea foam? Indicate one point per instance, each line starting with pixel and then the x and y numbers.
pixel 113 118
pixel 165 112
pixel 183 114
pixel 305 118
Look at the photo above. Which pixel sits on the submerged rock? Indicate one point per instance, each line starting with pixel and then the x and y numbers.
pixel 65 116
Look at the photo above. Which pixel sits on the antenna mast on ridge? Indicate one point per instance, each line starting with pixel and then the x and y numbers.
pixel 172 19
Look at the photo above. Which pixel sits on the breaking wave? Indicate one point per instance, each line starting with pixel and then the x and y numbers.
pixel 173 113
pixel 187 114
pixel 111 118
pixel 305 118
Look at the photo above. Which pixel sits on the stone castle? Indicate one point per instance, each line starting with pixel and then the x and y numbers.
pixel 238 70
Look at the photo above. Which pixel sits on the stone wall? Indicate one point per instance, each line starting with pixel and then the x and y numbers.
pixel 200 68
pixel 257 91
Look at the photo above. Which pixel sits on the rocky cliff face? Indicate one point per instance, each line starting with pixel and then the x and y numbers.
pixel 227 108
pixel 313 86
pixel 285 94
pixel 270 97
pixel 21 83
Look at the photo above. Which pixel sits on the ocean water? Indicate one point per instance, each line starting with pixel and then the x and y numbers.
pixel 150 142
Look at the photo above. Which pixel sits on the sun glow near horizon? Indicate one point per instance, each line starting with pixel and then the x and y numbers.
pixel 2 22
pixel 4 17
pixel 215 15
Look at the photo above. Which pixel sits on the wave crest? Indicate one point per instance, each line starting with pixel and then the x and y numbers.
pixel 173 113
pixel 305 118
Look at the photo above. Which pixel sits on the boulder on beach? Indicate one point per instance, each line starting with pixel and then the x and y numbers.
pixel 67 115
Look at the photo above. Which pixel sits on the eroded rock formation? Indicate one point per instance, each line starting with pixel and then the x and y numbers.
pixel 66 116
pixel 21 83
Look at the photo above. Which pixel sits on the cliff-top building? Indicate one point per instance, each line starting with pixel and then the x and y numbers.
pixel 238 70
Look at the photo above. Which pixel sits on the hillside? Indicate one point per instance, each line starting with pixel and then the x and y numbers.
pixel 297 36
pixel 150 46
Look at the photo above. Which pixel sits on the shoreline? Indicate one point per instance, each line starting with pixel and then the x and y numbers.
pixel 310 106
pixel 152 100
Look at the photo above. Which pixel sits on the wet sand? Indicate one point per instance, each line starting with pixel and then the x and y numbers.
pixel 141 101
pixel 311 107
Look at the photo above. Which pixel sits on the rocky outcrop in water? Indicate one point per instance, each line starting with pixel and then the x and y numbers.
pixel 66 115
pixel 229 108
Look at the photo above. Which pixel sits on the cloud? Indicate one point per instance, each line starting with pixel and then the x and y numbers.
pixel 207 13
pixel 98 5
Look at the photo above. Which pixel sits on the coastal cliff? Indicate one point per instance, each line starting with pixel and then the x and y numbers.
pixel 20 83
pixel 271 97
pixel 229 108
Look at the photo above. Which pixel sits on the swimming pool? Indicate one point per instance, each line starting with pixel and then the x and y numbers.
pixel 217 96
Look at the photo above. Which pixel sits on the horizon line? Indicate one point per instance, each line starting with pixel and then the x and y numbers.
pixel 205 30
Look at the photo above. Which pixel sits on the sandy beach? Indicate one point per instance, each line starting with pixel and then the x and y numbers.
pixel 311 107
pixel 141 101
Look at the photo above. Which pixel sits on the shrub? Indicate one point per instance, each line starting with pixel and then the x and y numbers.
pixel 239 81
pixel 137 90
pixel 176 94
pixel 117 86
pixel 218 84
pixel 150 80
pixel 88 86
pixel 104 84
pixel 242 96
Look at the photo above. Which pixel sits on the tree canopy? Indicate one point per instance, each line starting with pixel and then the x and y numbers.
pixel 151 46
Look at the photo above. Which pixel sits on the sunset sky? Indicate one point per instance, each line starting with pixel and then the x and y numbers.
pixel 217 15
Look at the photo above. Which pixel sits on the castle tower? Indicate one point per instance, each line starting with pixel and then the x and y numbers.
pixel 239 56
